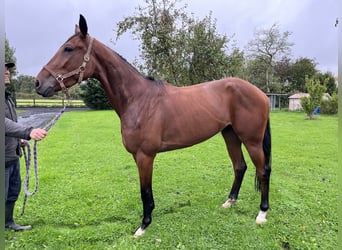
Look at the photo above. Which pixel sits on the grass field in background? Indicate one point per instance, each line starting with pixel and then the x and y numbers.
pixel 89 196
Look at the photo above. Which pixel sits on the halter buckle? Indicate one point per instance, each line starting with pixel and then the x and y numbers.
pixel 59 78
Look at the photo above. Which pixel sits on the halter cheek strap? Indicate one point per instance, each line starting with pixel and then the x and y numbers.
pixel 79 71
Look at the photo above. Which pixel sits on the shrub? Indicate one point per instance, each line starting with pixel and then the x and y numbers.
pixel 308 106
pixel 316 91
pixel 330 106
pixel 93 95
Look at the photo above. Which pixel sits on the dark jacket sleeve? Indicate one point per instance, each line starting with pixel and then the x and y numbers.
pixel 14 129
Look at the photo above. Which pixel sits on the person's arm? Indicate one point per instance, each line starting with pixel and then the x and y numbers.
pixel 14 129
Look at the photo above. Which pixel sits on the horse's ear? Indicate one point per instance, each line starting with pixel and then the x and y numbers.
pixel 83 26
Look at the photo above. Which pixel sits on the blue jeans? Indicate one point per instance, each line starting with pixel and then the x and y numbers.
pixel 12 180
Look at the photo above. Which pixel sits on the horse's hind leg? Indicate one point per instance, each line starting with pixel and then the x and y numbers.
pixel 263 171
pixel 233 144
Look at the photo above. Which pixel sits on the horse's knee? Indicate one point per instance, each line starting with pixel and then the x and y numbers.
pixel 241 168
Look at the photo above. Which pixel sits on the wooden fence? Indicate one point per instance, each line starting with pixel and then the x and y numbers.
pixel 48 103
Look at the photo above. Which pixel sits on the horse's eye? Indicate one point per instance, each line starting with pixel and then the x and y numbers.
pixel 68 49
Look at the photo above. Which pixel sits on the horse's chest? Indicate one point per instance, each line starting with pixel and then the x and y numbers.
pixel 135 137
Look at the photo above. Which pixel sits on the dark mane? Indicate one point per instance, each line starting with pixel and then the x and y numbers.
pixel 124 59
pixel 151 78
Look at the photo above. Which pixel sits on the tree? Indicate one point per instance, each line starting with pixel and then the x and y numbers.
pixel 205 50
pixel 269 45
pixel 316 91
pixel 24 84
pixel 282 72
pixel 255 72
pixel 282 69
pixel 301 69
pixel 94 95
pixel 176 47
pixel 329 80
pixel 235 63
pixel 154 26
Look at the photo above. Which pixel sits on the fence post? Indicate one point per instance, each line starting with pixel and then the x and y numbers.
pixel 34 102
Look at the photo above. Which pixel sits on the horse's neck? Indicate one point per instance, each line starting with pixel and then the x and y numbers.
pixel 121 82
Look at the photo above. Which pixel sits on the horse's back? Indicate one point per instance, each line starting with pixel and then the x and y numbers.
pixel 231 92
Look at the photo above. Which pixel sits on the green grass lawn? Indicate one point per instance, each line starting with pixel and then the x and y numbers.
pixel 89 196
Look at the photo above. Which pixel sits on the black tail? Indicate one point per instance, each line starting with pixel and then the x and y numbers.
pixel 266 145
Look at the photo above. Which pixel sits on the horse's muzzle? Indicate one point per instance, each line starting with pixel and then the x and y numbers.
pixel 45 91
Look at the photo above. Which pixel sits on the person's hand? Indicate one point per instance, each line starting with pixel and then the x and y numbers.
pixel 23 143
pixel 38 134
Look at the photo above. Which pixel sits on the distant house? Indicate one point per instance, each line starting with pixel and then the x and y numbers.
pixel 294 101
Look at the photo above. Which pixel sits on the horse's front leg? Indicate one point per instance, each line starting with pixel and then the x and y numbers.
pixel 145 166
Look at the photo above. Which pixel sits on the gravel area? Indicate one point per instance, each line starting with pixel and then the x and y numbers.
pixel 39 117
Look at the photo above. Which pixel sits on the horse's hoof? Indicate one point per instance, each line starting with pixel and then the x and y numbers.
pixel 139 232
pixel 228 203
pixel 261 218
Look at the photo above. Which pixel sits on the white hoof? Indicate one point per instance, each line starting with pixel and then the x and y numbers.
pixel 261 218
pixel 139 232
pixel 228 203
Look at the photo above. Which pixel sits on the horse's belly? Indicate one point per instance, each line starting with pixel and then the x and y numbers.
pixel 190 134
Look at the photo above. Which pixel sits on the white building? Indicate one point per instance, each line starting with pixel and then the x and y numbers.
pixel 294 101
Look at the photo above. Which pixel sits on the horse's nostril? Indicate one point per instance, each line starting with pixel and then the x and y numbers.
pixel 37 83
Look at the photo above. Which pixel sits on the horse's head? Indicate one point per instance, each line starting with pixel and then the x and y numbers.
pixel 68 66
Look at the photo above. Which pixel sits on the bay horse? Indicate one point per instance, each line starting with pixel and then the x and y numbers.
pixel 157 116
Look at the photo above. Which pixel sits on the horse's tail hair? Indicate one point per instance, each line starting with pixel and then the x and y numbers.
pixel 266 145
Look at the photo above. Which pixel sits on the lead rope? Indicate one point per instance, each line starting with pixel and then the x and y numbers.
pixel 27 158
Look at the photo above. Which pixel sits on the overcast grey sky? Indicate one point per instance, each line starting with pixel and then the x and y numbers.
pixel 37 28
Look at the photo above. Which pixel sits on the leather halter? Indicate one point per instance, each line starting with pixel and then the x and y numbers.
pixel 79 71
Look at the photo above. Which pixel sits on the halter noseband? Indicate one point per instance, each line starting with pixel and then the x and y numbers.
pixel 80 70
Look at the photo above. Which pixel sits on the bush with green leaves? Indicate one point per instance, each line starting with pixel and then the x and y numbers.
pixel 93 95
pixel 308 106
pixel 316 91
pixel 330 105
